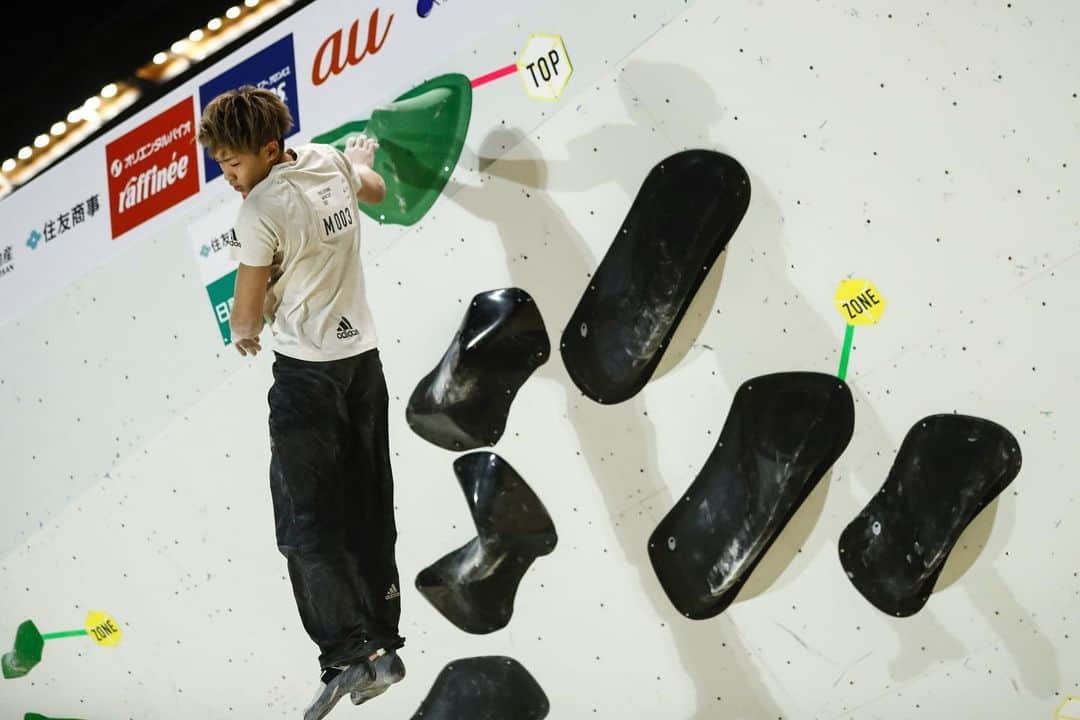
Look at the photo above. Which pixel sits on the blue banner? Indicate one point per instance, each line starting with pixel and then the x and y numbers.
pixel 273 69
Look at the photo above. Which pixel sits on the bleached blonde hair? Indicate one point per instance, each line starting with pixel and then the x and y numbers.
pixel 244 120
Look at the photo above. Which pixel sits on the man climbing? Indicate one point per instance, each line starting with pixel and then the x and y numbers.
pixel 298 245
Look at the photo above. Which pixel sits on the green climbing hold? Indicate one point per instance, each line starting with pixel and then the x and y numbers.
pixel 27 652
pixel 420 137
pixel 35 716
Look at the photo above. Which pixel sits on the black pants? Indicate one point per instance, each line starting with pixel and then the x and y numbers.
pixel 333 495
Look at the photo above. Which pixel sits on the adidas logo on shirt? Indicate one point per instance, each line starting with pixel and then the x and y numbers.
pixel 345 330
pixel 392 592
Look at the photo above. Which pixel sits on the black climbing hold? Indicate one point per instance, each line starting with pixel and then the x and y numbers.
pixel 947 470
pixel 782 434
pixel 474 586
pixel 685 213
pixel 464 402
pixel 492 687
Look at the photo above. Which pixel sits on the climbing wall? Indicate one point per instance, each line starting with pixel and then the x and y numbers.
pixel 729 384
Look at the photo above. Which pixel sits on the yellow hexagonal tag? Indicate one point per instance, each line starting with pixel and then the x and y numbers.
pixel 859 302
pixel 103 629
pixel 1069 709
pixel 544 67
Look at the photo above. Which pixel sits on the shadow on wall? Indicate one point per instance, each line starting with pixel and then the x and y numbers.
pixel 809 344
pixel 618 441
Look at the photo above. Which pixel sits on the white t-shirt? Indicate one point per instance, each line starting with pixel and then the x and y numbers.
pixel 302 220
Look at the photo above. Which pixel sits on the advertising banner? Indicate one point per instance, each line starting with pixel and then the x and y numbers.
pixel 211 234
pixel 274 69
pixel 152 167
pixel 330 62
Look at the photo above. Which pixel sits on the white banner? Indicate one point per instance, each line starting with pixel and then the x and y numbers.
pixel 332 61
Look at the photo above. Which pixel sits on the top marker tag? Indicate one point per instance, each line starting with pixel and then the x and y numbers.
pixel 544 67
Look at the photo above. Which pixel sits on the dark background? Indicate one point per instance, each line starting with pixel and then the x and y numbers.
pixel 58 58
